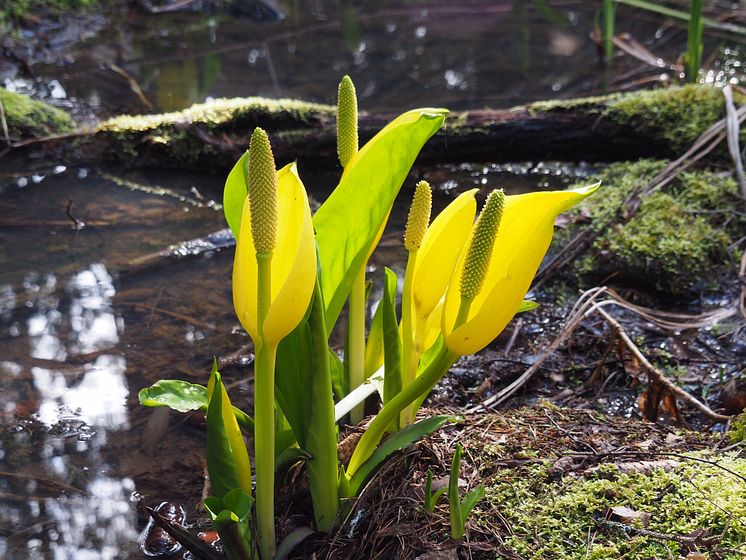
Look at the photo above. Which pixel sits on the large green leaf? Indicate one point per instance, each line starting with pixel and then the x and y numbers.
pixel 399 440
pixel 348 223
pixel 234 194
pixel 185 397
pixel 175 394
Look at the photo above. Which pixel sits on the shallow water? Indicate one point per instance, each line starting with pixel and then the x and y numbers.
pixel 461 55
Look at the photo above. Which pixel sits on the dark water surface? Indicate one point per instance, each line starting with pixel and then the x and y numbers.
pixel 89 311
pixel 460 55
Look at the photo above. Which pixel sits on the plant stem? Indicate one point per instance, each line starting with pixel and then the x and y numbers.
pixel 356 348
pixel 418 389
pixel 264 415
pixel 608 29
pixel 410 358
pixel 694 41
pixel 422 384
pixel 321 438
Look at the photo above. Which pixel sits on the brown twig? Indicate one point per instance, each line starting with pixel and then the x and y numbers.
pixel 655 374
pixel 134 86
pixel 4 122
pixel 733 131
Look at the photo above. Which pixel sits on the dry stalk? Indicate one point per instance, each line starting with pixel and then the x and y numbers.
pixel 4 123
pixel 586 305
pixel 658 375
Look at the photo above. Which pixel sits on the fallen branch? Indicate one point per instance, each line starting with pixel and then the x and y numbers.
pixel 586 305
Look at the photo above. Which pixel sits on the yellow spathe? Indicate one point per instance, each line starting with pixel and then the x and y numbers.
pixel 444 240
pixel 522 241
pixel 293 265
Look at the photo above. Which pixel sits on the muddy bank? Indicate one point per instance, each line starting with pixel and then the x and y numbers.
pixel 212 135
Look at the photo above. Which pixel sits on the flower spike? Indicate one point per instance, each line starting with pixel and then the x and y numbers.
pixel 482 243
pixel 347 141
pixel 419 216
pixel 262 188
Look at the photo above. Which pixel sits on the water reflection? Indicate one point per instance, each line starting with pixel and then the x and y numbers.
pixel 57 498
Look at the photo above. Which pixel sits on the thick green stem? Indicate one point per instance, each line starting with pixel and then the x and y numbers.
pixel 410 358
pixel 418 389
pixel 356 349
pixel 321 438
pixel 264 415
pixel 422 384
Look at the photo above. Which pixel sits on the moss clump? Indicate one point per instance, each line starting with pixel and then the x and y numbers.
pixel 675 116
pixel 28 118
pixel 223 113
pixel 12 11
pixel 737 431
pixel 555 519
pixel 677 240
pixel 175 137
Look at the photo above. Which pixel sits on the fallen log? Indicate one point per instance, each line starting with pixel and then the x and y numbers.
pixel 211 136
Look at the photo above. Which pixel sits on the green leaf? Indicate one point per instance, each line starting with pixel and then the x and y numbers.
pixel 397 441
pixel 454 500
pixel 234 194
pixel 471 499
pixel 294 355
pixel 227 458
pixel 431 499
pixel 185 397
pixel 374 344
pixel 339 379
pixel 348 223
pixel 392 343
pixel 527 305
pixel 230 517
pixel 294 538
pixel 175 394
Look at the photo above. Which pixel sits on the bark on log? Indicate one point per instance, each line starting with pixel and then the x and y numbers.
pixel 212 136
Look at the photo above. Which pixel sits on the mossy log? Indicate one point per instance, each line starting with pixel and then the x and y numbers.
pixel 22 117
pixel 212 135
pixel 682 238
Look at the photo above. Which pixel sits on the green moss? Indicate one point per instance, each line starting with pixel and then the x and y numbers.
pixel 28 118
pixel 555 519
pixel 222 113
pixel 14 10
pixel 680 236
pixel 175 137
pixel 737 431
pixel 675 116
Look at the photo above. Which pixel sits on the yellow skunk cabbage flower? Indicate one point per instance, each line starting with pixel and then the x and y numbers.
pixel 480 249
pixel 261 177
pixel 441 246
pixel 293 265
pixel 347 139
pixel 419 216
pixel 523 238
